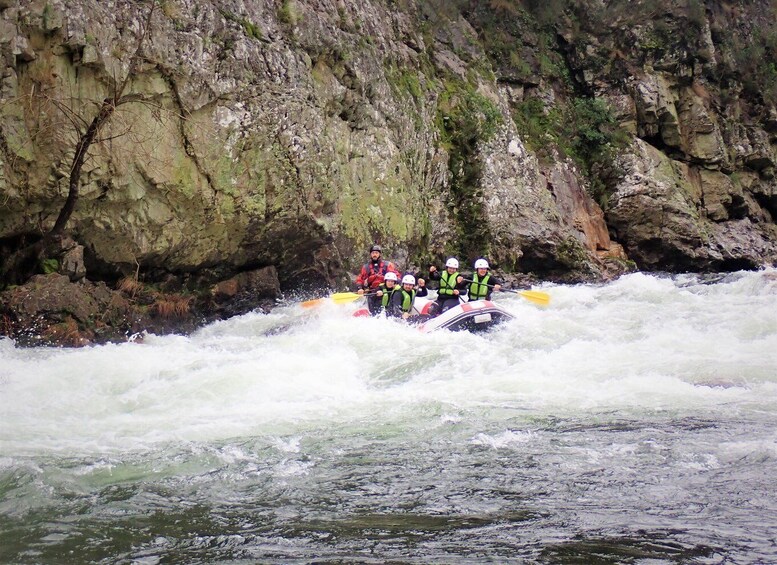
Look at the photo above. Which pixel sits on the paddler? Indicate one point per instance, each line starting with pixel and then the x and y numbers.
pixel 371 276
pixel 387 288
pixel 483 282
pixel 401 303
pixel 452 286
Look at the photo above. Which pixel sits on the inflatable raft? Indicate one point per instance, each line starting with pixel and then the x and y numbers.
pixel 475 316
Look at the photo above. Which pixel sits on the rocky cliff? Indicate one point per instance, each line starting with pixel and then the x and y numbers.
pixel 565 139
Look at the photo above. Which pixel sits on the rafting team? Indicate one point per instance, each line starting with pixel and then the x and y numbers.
pixel 389 291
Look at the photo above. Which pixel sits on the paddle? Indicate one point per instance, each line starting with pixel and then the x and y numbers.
pixel 337 298
pixel 536 296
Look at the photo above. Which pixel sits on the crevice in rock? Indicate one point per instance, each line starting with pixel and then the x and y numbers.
pixel 181 118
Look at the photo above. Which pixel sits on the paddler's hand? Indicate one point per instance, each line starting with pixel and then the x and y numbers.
pixel 432 269
pixel 455 293
pixel 360 291
pixel 497 287
pixel 379 293
pixel 405 315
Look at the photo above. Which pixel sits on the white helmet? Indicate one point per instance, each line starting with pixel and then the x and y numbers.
pixel 408 279
pixel 481 264
pixel 452 262
pixel 390 276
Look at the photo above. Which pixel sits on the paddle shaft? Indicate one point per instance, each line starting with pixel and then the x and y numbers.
pixel 337 298
pixel 536 296
pixel 491 286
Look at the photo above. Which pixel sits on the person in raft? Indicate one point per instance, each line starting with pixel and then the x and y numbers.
pixel 452 286
pixel 420 283
pixel 371 277
pixel 387 288
pixel 401 303
pixel 421 289
pixel 482 283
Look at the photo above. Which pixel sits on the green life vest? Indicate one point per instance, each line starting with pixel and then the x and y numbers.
pixel 407 300
pixel 447 283
pixel 478 290
pixel 387 292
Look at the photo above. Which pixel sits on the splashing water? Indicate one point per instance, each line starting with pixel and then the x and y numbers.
pixel 631 422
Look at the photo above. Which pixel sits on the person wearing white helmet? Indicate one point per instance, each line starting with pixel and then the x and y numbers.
pixel 452 286
pixel 371 277
pixel 401 303
pixel 482 283
pixel 387 288
pixel 420 282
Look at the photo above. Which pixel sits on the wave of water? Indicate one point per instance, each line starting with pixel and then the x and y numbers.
pixel 628 419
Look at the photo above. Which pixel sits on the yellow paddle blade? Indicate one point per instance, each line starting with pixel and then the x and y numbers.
pixel 344 297
pixel 536 296
pixel 337 298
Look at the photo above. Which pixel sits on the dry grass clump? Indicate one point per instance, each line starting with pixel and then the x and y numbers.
pixel 65 333
pixel 6 325
pixel 130 285
pixel 171 305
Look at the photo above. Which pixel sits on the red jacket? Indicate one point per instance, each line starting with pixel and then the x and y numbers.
pixel 373 272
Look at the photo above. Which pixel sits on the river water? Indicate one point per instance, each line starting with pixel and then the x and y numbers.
pixel 632 422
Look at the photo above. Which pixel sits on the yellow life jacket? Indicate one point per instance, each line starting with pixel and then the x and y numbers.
pixel 447 283
pixel 478 290
pixel 387 292
pixel 407 300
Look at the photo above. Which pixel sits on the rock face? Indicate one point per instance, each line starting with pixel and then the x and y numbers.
pixel 699 204
pixel 53 310
pixel 694 189
pixel 294 133
pixel 674 217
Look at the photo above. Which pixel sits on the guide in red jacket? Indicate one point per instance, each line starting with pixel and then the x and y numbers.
pixel 371 277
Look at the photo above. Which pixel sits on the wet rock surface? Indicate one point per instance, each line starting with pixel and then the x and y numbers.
pixel 53 310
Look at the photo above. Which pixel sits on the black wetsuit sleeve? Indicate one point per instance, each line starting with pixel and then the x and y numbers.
pixel 463 286
pixel 394 307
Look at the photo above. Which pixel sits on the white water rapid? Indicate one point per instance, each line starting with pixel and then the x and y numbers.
pixel 632 422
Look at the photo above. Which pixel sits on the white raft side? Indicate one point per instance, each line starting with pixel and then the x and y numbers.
pixel 478 311
pixel 420 303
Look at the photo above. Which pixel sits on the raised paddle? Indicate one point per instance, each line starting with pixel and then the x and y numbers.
pixel 337 298
pixel 538 297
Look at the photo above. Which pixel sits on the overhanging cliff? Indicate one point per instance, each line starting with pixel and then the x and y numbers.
pixel 294 133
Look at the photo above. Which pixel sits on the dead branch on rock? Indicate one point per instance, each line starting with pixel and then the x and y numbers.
pixel 22 264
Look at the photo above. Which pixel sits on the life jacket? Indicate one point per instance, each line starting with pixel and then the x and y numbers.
pixel 407 300
pixel 374 273
pixel 447 283
pixel 387 292
pixel 478 290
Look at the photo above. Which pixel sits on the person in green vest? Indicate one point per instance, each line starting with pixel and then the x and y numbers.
pixel 401 303
pixel 482 283
pixel 452 286
pixel 387 288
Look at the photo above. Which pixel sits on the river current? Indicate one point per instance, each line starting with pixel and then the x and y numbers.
pixel 631 422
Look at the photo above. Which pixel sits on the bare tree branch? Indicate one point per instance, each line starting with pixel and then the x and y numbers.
pixel 86 140
pixel 22 264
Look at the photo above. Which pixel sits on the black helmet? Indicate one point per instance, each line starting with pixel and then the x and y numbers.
pixel 376 248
